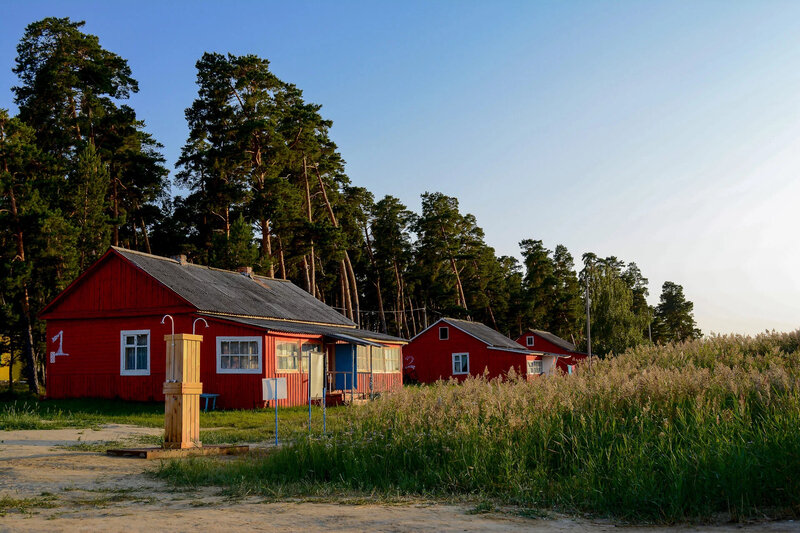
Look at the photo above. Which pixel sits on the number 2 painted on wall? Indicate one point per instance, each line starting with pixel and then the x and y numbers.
pixel 60 351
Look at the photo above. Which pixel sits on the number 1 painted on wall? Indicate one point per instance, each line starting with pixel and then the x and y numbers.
pixel 60 351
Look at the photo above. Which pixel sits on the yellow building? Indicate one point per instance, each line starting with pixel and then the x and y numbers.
pixel 4 360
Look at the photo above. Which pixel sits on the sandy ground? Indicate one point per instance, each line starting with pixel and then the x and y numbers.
pixel 89 491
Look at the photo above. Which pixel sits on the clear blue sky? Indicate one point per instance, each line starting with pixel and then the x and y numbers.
pixel 666 133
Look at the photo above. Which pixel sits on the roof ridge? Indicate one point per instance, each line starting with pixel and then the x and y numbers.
pixel 171 260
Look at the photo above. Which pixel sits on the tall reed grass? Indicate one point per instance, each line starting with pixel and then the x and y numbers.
pixel 660 434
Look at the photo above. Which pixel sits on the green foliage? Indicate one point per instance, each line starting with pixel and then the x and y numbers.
pixel 89 204
pixel 236 249
pixel 619 319
pixel 673 317
pixel 665 434
pixel 268 189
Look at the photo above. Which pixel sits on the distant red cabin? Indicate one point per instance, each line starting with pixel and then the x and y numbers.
pixel 554 351
pixel 106 337
pixel 452 348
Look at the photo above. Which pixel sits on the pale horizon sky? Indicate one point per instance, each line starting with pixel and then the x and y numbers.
pixel 662 133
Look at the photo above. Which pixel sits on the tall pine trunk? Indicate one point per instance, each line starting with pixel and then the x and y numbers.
pixel 115 204
pixel 347 295
pixel 31 373
pixel 308 275
pixel 354 289
pixel 281 257
pixel 413 318
pixel 377 283
pixel 146 238
pixel 313 280
pixel 350 272
pixel 462 300
pixel 266 245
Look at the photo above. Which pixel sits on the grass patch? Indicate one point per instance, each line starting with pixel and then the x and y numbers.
pixel 102 446
pixel 28 413
pixel 253 425
pixel 483 507
pixel 26 505
pixel 99 446
pixel 658 434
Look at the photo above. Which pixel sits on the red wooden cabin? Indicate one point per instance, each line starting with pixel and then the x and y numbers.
pixel 106 337
pixel 452 348
pixel 554 351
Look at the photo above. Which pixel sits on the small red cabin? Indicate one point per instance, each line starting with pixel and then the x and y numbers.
pixel 554 351
pixel 106 332
pixel 452 348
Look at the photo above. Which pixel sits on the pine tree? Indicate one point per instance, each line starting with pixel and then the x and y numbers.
pixel 89 185
pixel 674 320
pixel 68 84
pixel 439 230
pixel 389 238
pixel 211 160
pixel 38 257
pixel 568 311
pixel 539 284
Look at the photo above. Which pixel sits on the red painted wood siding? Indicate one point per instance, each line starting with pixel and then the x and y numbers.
pixel 117 287
pixel 381 382
pixel 117 296
pixel 544 345
pixel 428 359
pixel 92 368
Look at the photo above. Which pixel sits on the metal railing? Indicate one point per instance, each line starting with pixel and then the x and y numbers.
pixel 348 378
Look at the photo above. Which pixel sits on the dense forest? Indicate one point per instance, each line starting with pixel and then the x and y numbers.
pixel 267 188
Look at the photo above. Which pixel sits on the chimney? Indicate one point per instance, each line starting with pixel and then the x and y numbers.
pixel 180 259
pixel 245 271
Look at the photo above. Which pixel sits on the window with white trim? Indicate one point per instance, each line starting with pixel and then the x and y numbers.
pixel 529 340
pixel 134 353
pixel 287 356
pixel 535 367
pixel 460 363
pixel 392 359
pixel 444 333
pixel 238 355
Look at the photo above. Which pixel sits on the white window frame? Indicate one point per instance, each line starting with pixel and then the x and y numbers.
pixel 393 355
pixel 541 367
pixel 529 340
pixel 461 356
pixel 259 342
pixel 300 362
pixel 446 331
pixel 136 372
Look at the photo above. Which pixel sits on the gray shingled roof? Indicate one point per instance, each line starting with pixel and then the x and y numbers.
pixel 555 339
pixel 486 334
pixel 223 291
pixel 311 329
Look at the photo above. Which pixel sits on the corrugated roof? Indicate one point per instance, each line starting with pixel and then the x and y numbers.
pixel 226 292
pixel 311 329
pixel 555 339
pixel 486 334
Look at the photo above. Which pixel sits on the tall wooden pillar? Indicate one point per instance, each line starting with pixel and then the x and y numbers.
pixel 182 390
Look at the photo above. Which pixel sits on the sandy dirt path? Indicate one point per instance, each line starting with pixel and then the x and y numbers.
pixel 66 490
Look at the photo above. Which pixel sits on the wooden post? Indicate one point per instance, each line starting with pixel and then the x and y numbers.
pixel 182 390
